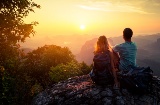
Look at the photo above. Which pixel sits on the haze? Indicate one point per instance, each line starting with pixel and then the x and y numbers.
pixel 72 22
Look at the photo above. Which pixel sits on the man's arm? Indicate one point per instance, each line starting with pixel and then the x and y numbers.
pixel 116 59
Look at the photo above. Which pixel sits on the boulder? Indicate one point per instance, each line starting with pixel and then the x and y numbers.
pixel 80 90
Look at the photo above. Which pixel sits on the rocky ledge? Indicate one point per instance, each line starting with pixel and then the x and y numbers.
pixel 81 91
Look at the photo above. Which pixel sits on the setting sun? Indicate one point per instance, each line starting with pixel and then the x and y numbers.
pixel 82 27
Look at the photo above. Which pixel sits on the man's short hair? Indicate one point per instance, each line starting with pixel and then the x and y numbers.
pixel 127 33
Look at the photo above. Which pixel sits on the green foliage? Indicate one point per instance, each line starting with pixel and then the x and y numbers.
pixel 38 69
pixel 37 64
pixel 18 89
pixel 12 30
pixel 65 71
pixel 8 83
pixel 12 26
pixel 85 68
pixel 24 76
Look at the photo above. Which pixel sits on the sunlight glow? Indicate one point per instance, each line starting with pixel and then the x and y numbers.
pixel 108 17
pixel 82 27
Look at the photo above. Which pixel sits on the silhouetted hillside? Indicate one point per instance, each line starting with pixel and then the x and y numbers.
pixel 150 37
pixel 155 46
pixel 73 42
pixel 27 50
pixel 141 41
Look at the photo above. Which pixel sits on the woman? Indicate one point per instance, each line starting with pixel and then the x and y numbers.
pixel 104 61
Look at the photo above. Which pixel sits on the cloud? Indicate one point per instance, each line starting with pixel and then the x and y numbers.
pixel 136 6
pixel 89 7
pixel 151 6
pixel 110 7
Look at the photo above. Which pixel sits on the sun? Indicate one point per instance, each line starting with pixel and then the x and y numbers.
pixel 82 26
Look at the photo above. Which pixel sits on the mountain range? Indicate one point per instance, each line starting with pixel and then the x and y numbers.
pixel 148 53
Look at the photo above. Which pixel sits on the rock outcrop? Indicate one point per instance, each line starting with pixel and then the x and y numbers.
pixel 81 91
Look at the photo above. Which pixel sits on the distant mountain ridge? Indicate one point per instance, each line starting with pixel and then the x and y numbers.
pixel 27 50
pixel 147 54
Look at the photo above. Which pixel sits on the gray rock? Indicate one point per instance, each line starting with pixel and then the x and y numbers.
pixel 107 101
pixel 81 91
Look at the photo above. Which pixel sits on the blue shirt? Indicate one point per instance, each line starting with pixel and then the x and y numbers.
pixel 127 52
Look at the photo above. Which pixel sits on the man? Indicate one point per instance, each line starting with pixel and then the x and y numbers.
pixel 127 51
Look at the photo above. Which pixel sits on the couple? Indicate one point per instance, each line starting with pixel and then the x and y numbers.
pixel 121 57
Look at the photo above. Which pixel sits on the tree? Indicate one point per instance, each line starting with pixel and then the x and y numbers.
pixel 12 30
pixel 64 71
pixel 37 63
pixel 12 26
pixel 85 68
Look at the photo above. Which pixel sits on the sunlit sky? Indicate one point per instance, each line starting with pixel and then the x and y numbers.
pixel 108 17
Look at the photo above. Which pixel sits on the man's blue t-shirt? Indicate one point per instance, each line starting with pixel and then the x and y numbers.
pixel 127 52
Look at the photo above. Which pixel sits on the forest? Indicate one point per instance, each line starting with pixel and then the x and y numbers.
pixel 22 76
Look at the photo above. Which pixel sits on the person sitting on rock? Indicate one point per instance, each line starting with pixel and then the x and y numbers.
pixel 127 51
pixel 104 71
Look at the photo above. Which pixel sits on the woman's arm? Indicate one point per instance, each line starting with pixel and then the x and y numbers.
pixel 114 69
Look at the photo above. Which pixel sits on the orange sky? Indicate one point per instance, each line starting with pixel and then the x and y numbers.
pixel 61 21
pixel 108 17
